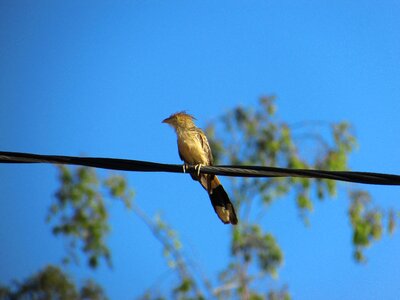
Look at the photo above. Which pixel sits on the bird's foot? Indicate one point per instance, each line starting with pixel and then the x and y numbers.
pixel 185 167
pixel 198 168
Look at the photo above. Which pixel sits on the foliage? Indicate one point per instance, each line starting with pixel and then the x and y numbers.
pixel 82 217
pixel 187 286
pixel 367 222
pixel 257 137
pixel 51 283
pixel 80 212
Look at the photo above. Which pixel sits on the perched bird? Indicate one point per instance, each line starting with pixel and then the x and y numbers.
pixel 194 149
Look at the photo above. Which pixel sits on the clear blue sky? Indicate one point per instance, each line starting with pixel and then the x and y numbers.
pixel 97 78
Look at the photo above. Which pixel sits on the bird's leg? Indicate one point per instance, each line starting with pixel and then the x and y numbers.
pixel 198 167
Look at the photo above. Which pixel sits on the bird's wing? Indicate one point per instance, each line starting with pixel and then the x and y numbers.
pixel 205 146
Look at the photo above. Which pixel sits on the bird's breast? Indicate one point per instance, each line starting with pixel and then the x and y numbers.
pixel 191 150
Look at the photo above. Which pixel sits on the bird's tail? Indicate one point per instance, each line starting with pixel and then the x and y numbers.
pixel 219 199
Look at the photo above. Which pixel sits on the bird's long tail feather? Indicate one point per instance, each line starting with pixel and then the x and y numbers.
pixel 219 199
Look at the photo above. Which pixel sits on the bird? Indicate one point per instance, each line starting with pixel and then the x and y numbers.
pixel 194 149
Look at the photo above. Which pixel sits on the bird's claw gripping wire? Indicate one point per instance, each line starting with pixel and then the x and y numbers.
pixel 185 167
pixel 197 168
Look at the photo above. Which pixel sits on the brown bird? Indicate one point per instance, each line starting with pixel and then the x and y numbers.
pixel 194 149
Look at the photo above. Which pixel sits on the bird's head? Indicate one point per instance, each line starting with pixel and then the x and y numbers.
pixel 180 120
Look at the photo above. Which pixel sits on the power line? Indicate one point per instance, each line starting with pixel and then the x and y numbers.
pixel 236 171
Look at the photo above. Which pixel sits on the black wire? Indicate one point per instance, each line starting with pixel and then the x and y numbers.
pixel 236 171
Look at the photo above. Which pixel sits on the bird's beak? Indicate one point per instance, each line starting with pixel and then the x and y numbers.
pixel 166 120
